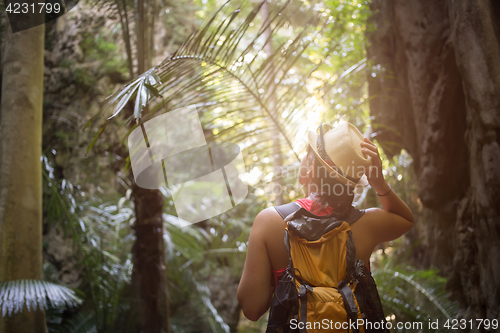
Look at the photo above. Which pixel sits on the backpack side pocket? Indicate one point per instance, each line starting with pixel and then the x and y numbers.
pixel 369 301
pixel 284 306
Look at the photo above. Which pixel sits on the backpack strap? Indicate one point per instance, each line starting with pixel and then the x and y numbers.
pixel 303 289
pixel 343 287
pixel 287 209
pixel 354 215
pixel 349 303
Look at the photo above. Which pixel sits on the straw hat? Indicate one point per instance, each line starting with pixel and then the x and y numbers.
pixel 339 151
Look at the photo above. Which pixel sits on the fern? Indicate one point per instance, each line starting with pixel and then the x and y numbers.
pixel 189 243
pixel 414 295
pixel 83 322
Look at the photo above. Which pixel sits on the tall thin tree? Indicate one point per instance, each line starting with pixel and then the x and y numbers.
pixel 148 251
pixel 20 168
pixel 277 158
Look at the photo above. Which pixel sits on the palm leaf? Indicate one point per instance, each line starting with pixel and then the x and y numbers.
pixel 414 294
pixel 101 234
pixel 34 294
pixel 222 65
pixel 189 242
pixel 215 319
pixel 425 290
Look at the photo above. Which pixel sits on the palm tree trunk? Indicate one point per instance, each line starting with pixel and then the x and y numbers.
pixel 151 29
pixel 148 259
pixel 126 34
pixel 277 158
pixel 21 169
pixel 148 251
pixel 140 26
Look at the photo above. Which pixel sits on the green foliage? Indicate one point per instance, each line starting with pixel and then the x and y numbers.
pixel 83 78
pixel 221 68
pixel 82 322
pixel 186 255
pixel 317 73
pixel 65 63
pixel 106 53
pixel 103 239
pixel 411 295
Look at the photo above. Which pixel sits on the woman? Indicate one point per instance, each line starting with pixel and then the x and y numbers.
pixel 267 256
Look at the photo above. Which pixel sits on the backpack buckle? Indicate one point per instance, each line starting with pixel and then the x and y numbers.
pixel 303 289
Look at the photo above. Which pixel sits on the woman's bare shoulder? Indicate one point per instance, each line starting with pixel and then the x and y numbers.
pixel 269 212
pixel 267 218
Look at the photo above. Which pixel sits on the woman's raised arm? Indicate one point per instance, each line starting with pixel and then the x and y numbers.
pixel 391 202
pixel 395 218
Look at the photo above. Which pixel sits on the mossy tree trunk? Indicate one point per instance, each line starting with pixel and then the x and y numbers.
pixel 20 168
pixel 437 83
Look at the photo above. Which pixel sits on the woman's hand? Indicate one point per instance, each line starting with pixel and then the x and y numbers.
pixel 391 202
pixel 374 172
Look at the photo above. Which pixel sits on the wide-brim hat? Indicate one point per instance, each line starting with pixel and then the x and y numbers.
pixel 339 151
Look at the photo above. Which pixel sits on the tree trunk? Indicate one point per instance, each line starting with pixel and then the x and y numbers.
pixel 21 169
pixel 437 83
pixel 126 34
pixel 140 26
pixel 275 133
pixel 148 251
pixel 148 259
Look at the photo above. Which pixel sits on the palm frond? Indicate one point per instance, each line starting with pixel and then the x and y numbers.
pixel 215 319
pixel 426 290
pixel 412 294
pixel 102 239
pixel 186 247
pixel 223 62
pixel 34 294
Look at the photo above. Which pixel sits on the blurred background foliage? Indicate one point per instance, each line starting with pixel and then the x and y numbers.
pixel 88 213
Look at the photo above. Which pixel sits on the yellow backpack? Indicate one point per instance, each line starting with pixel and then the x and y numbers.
pixel 324 287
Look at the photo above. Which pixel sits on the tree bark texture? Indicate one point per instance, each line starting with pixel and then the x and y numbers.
pixel 435 90
pixel 149 273
pixel 141 36
pixel 21 169
pixel 148 260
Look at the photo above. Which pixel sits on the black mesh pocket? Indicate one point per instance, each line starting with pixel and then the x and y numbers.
pixel 369 301
pixel 284 306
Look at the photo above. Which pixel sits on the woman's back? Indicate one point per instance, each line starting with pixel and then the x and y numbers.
pixel 266 251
